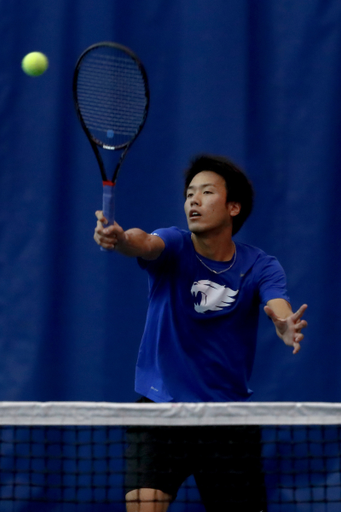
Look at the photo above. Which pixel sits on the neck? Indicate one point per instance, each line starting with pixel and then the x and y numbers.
pixel 209 247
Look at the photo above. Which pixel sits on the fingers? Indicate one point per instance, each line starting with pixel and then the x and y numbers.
pixel 298 326
pixel 105 241
pixel 297 347
pixel 104 236
pixel 298 323
pixel 100 217
pixel 299 313
pixel 298 337
pixel 301 325
pixel 297 342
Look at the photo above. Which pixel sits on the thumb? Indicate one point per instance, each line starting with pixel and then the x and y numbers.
pixel 100 217
pixel 270 313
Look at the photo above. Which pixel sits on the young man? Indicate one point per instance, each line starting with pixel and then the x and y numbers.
pixel 200 335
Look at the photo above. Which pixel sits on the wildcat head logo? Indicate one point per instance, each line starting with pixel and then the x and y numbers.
pixel 214 297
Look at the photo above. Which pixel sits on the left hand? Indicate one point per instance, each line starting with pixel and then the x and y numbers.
pixel 289 328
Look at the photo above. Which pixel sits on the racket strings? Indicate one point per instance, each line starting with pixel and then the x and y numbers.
pixel 111 94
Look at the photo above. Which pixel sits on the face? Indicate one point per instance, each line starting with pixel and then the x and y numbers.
pixel 206 207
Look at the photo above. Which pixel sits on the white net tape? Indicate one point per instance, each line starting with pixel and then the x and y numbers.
pixel 105 413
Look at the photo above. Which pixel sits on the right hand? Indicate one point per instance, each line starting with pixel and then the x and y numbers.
pixel 107 236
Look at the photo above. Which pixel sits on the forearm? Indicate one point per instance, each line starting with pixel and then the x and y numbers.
pixel 282 310
pixel 133 242
pixel 137 243
pixel 280 307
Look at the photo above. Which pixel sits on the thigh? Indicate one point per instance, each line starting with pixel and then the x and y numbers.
pixel 155 459
pixel 230 469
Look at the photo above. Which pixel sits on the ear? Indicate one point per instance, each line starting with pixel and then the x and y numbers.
pixel 234 208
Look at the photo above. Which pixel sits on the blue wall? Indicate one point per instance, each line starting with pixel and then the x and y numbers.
pixel 258 81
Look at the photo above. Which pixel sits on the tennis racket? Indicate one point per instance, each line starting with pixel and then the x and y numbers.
pixel 111 95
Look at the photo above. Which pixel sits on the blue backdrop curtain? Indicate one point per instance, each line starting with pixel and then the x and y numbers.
pixel 258 81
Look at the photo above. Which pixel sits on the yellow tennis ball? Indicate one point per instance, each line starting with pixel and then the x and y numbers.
pixel 35 63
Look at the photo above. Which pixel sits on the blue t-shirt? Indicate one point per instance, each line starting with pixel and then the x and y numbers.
pixel 200 334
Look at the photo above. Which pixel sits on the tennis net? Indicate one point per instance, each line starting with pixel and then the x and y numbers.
pixel 72 456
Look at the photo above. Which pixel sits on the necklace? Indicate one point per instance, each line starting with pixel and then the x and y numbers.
pixel 226 269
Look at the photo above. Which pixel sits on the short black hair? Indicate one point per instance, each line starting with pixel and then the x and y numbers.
pixel 239 188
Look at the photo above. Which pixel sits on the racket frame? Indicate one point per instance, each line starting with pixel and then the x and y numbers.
pixel 95 143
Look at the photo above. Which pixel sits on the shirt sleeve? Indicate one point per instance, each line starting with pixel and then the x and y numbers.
pixel 272 283
pixel 173 239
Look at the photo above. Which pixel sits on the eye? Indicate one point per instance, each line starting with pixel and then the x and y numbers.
pixel 208 192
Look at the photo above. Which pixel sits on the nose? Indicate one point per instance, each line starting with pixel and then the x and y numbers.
pixel 195 199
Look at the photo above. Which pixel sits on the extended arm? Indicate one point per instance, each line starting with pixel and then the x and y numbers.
pixel 288 324
pixel 133 242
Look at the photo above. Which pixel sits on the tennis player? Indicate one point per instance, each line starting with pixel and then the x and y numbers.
pixel 200 338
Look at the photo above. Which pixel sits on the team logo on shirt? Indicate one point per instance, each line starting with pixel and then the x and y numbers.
pixel 213 296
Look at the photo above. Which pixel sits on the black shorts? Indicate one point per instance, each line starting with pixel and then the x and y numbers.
pixel 225 462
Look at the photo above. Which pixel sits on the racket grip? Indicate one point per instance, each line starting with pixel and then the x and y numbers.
pixel 108 204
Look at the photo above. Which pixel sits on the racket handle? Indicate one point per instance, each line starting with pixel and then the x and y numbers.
pixel 108 204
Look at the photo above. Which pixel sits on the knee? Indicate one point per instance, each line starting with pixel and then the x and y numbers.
pixel 147 500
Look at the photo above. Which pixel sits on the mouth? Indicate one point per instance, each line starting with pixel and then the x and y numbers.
pixel 193 214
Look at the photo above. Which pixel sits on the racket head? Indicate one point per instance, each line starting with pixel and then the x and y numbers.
pixel 111 96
